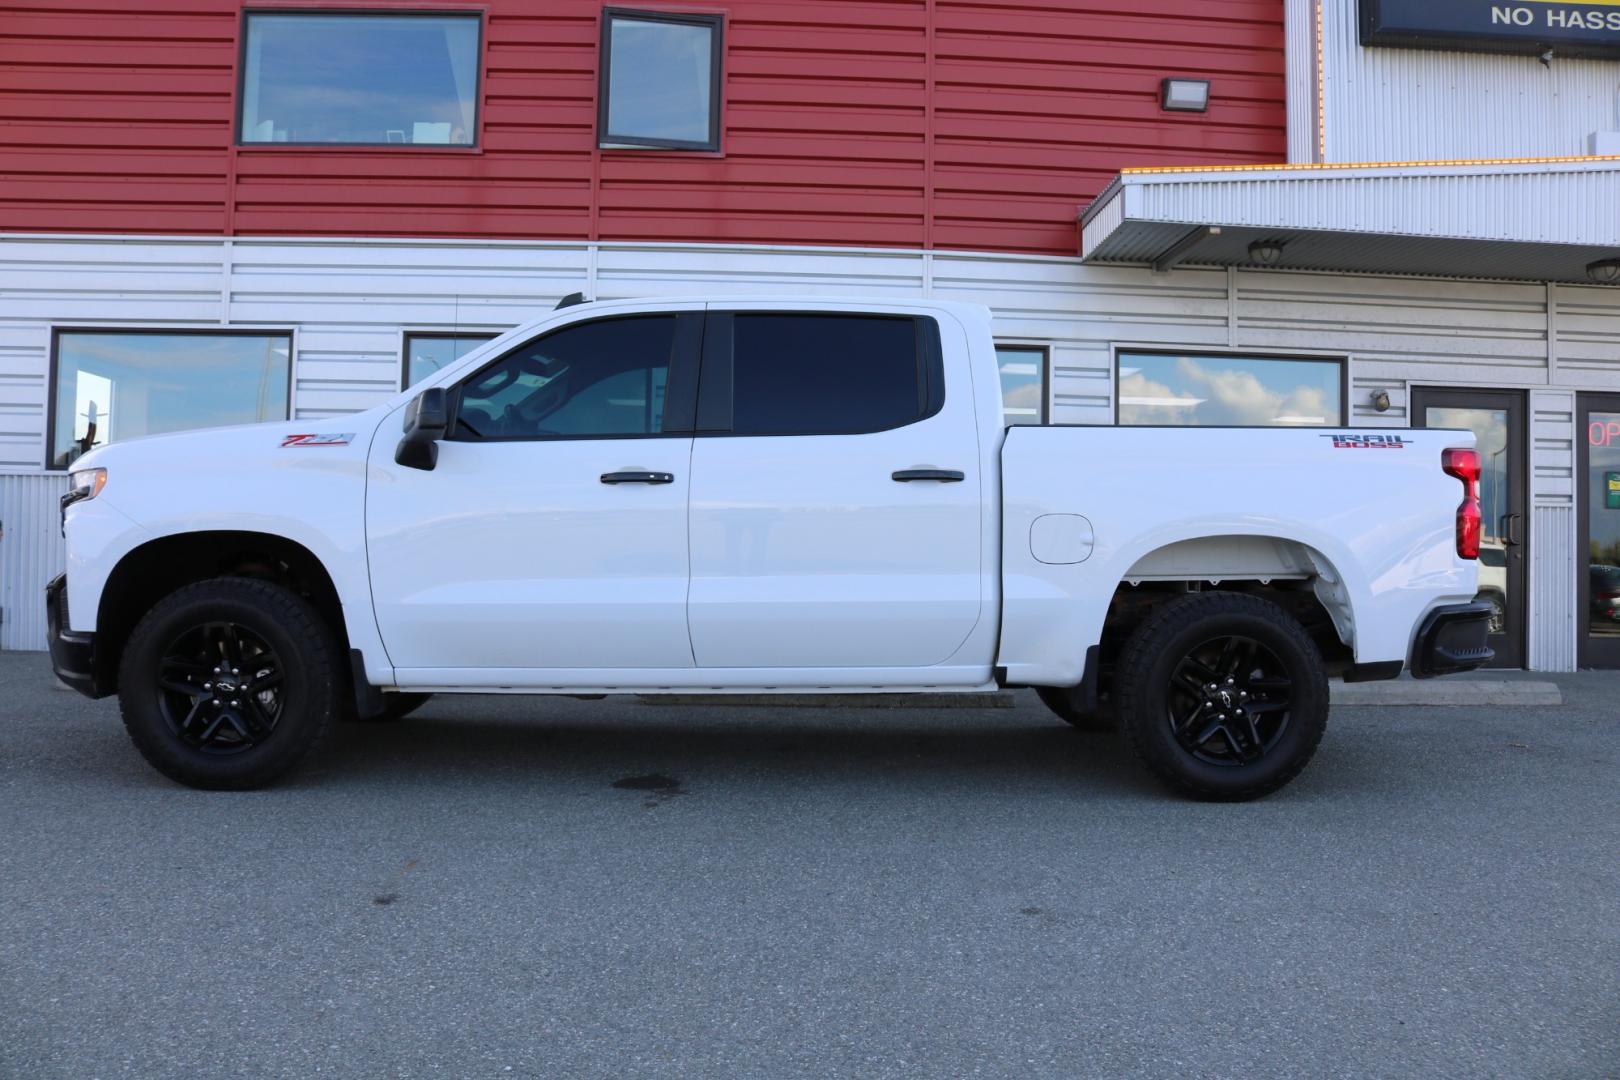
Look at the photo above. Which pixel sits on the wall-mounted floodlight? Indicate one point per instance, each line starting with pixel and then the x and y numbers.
pixel 1184 95
pixel 1604 271
pixel 1266 252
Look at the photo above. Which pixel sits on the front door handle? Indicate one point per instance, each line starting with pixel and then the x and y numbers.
pixel 944 476
pixel 638 476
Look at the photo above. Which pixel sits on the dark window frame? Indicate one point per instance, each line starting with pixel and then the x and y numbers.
pixel 475 146
pixel 1343 362
pixel 715 381
pixel 680 387
pixel 53 373
pixel 605 140
pixel 1045 419
pixel 407 336
pixel 1589 653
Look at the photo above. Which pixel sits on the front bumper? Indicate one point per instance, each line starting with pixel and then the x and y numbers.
pixel 1453 639
pixel 73 656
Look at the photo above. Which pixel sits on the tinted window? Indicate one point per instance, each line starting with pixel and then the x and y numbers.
pixel 427 353
pixel 831 374
pixel 347 78
pixel 1168 388
pixel 112 386
pixel 597 378
pixel 661 80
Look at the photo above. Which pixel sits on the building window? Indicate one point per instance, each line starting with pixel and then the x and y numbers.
pixel 116 384
pixel 1179 388
pixel 359 79
pixel 427 353
pixel 1023 383
pixel 660 80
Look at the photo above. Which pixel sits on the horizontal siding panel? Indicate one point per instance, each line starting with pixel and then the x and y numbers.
pixel 349 302
pixel 981 124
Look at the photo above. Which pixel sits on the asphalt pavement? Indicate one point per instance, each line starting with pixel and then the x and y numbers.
pixel 532 887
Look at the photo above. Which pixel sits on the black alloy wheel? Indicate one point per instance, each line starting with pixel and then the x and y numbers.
pixel 227 684
pixel 1230 701
pixel 220 688
pixel 1222 695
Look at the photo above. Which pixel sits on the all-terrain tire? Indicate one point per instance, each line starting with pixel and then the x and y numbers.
pixel 1060 699
pixel 283 684
pixel 1160 680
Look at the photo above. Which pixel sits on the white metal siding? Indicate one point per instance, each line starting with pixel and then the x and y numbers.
pixel 31 553
pixel 1551 614
pixel 1576 203
pixel 1386 104
pixel 348 302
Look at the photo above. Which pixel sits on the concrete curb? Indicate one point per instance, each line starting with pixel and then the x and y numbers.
pixel 1446 692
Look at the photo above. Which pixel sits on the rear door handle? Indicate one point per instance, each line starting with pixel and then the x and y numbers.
pixel 638 476
pixel 944 476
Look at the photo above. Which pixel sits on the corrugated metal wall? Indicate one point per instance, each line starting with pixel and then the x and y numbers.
pixel 31 553
pixel 1386 104
pixel 976 124
pixel 349 302
pixel 1554 562
pixel 1576 203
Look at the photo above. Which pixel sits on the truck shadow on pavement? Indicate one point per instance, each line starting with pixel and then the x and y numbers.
pixel 662 752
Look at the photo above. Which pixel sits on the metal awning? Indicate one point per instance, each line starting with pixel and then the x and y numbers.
pixel 1522 219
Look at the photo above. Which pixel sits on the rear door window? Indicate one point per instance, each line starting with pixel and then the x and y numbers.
pixel 803 373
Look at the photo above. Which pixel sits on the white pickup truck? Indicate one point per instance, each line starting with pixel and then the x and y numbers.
pixel 760 496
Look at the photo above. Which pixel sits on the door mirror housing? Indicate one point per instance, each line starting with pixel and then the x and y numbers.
pixel 425 422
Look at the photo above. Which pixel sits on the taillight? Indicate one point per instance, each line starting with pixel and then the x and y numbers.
pixel 1463 463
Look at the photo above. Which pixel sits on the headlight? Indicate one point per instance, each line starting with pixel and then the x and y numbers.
pixel 82 485
pixel 87 484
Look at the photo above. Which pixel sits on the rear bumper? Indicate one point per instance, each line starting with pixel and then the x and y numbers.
pixel 73 656
pixel 1452 639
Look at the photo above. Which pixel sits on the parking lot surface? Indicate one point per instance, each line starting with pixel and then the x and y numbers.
pixel 553 888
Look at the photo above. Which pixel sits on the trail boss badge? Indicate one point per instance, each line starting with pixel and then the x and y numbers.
pixel 1368 442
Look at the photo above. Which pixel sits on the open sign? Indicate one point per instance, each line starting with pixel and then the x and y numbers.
pixel 1604 432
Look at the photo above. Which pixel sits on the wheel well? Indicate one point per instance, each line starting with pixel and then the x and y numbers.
pixel 1292 575
pixel 157 568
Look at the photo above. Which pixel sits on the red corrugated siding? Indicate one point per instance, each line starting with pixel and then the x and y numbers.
pixel 938 123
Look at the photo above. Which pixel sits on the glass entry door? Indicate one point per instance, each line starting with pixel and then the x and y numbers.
pixel 1599 556
pixel 1496 417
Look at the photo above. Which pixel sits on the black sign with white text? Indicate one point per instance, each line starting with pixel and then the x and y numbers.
pixel 1588 28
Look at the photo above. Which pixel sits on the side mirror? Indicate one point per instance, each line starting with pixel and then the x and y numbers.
pixel 425 423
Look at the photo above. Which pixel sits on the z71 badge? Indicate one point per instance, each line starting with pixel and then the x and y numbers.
pixel 317 440
pixel 1368 442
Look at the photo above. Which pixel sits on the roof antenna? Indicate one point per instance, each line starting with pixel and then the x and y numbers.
pixel 570 300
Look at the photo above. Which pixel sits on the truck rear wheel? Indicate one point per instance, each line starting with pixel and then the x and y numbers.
pixel 1223 696
pixel 226 684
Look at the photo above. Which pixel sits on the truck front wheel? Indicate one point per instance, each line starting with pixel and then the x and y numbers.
pixel 226 684
pixel 1222 695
